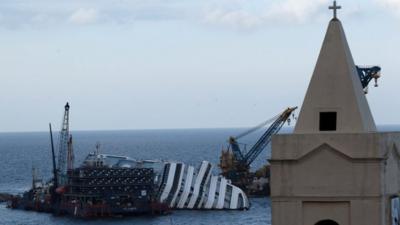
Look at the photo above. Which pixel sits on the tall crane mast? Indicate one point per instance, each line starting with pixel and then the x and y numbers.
pixel 63 146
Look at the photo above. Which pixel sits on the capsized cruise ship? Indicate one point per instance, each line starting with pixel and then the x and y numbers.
pixel 109 185
pixel 181 186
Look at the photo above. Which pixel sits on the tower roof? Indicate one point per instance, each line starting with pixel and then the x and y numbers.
pixel 335 101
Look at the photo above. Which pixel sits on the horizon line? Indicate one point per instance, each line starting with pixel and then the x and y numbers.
pixel 155 129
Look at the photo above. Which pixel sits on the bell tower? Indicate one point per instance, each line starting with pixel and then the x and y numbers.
pixel 335 168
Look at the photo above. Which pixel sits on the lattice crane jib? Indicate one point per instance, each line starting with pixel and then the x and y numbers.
pixel 366 74
pixel 63 146
pixel 245 159
pixel 265 139
pixel 235 163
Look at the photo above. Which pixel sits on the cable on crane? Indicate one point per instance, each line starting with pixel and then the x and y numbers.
pixel 259 126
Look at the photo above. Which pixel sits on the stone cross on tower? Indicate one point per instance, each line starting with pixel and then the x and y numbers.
pixel 335 8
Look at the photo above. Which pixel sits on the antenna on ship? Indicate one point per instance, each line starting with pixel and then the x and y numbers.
pixel 55 175
pixel 70 155
pixel 36 181
pixel 97 148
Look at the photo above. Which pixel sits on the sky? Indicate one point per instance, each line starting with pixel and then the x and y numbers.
pixel 161 64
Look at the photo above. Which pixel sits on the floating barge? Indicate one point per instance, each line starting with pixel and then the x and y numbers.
pixel 102 191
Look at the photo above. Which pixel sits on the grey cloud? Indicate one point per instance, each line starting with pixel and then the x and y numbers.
pixel 263 13
pixel 45 13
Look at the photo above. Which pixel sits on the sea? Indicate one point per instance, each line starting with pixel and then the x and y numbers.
pixel 20 152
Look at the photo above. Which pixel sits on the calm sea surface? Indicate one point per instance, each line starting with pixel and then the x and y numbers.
pixel 21 151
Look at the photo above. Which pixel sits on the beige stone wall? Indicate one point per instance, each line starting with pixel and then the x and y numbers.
pixel 327 174
pixel 362 211
pixel 286 212
pixel 390 182
pixel 357 146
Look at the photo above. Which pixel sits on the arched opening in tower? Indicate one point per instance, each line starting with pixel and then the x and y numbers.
pixel 326 222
